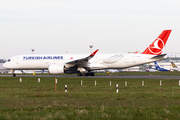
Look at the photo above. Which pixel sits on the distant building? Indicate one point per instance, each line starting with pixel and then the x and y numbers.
pixel 2 70
pixel 2 60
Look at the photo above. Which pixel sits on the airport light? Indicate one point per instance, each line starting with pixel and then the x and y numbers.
pixel 32 51
pixel 91 46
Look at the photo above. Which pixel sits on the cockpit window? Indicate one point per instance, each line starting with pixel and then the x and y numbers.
pixel 8 60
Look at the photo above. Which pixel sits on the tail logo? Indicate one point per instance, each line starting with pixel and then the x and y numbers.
pixel 157 46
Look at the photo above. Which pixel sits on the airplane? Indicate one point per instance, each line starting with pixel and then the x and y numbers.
pixel 112 71
pixel 175 68
pixel 150 70
pixel 84 64
pixel 159 68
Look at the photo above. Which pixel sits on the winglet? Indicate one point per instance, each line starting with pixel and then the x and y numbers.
pixel 81 62
pixel 93 53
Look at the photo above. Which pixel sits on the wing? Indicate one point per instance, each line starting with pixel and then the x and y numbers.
pixel 83 62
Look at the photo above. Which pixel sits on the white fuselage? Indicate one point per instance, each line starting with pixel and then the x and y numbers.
pixel 175 69
pixel 99 61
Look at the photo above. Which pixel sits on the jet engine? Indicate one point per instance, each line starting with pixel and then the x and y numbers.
pixel 56 69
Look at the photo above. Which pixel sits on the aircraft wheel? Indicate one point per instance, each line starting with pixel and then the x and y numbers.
pixel 13 75
pixel 91 74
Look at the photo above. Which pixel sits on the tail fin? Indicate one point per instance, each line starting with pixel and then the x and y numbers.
pixel 157 66
pixel 173 65
pixel 156 47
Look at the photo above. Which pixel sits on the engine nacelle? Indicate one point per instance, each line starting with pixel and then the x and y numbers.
pixel 56 69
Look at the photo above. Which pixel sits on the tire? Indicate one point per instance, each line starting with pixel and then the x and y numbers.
pixel 13 75
pixel 91 74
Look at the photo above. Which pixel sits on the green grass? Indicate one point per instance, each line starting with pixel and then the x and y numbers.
pixel 33 100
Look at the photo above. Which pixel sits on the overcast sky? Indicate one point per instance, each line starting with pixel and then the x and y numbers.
pixel 57 26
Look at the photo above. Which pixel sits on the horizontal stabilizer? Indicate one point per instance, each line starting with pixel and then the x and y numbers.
pixel 159 56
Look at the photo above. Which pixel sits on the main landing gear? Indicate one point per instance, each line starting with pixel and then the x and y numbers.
pixel 85 74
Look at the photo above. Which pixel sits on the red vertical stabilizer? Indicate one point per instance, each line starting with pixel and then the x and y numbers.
pixel 157 46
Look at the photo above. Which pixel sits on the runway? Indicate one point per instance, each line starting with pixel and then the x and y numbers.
pixel 123 76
